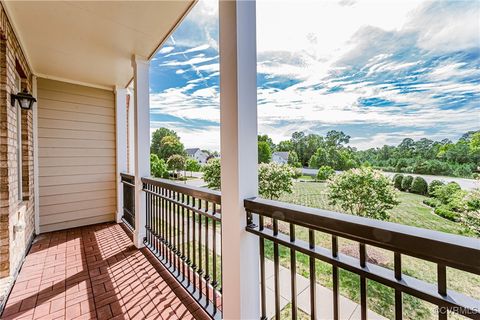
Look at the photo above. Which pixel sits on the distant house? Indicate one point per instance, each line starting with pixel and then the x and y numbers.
pixel 197 154
pixel 280 157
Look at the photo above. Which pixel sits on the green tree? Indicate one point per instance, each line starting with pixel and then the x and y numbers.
pixel 171 145
pixel 267 139
pixel 158 167
pixel 264 152
pixel 293 159
pixel 211 173
pixel 192 165
pixel 176 162
pixel 324 173
pixel 157 137
pixel 364 192
pixel 274 179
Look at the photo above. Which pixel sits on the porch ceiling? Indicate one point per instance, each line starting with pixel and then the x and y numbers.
pixel 92 42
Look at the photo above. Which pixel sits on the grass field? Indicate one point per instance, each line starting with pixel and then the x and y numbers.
pixel 411 211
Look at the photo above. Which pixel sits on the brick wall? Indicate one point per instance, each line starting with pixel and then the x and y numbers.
pixel 16 216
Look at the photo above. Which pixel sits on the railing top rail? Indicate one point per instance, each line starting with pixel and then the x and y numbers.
pixel 200 193
pixel 127 175
pixel 452 250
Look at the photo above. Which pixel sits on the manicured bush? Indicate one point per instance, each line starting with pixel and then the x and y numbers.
pixel 447 214
pixel 406 183
pixel 431 202
pixel 397 181
pixel 324 173
pixel 419 186
pixel 434 184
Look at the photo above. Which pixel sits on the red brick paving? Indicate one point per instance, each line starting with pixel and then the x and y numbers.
pixel 95 272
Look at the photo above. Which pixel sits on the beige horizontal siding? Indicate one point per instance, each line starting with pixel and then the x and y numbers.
pixel 76 141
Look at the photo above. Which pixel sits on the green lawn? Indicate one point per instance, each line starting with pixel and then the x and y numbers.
pixel 410 211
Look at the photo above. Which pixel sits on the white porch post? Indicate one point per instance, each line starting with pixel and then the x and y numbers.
pixel 238 130
pixel 142 142
pixel 36 185
pixel 121 144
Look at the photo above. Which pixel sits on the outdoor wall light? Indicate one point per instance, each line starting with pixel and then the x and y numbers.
pixel 24 98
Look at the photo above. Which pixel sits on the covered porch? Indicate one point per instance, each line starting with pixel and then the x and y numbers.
pixel 112 242
pixel 95 272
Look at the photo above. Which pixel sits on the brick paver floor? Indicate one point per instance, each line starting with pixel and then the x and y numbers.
pixel 95 272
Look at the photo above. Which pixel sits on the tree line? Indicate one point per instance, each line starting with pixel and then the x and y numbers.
pixel 424 156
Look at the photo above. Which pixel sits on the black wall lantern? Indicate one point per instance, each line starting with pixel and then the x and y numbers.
pixel 25 99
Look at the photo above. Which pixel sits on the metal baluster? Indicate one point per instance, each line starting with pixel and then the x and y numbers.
pixel 335 279
pixel 262 270
pixel 183 238
pixel 189 260
pixel 214 260
pixel 162 200
pixel 207 258
pixel 293 272
pixel 149 214
pixel 442 289
pixel 363 283
pixel 200 270
pixel 276 262
pixel 398 294
pixel 313 277
pixel 194 249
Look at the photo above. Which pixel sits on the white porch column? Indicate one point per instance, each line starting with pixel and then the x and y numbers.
pixel 142 142
pixel 238 130
pixel 121 144
pixel 36 185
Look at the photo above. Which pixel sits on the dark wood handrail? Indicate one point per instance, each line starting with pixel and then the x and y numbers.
pixel 452 250
pixel 126 175
pixel 200 193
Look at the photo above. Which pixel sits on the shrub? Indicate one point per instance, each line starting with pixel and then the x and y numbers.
pixel 297 172
pixel 419 186
pixel 274 179
pixel 444 192
pixel 447 214
pixel 397 181
pixel 434 184
pixel 431 202
pixel 476 175
pixel 406 183
pixel 364 192
pixel 211 173
pixel 325 172
pixel 158 167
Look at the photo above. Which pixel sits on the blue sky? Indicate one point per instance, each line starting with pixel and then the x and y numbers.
pixel 380 71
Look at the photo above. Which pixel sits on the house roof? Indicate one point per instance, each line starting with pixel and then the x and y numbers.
pixel 281 154
pixel 191 151
pixel 92 42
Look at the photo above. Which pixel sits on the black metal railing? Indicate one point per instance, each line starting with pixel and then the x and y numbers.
pixel 183 231
pixel 444 250
pixel 128 182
